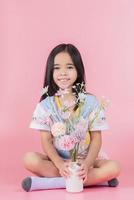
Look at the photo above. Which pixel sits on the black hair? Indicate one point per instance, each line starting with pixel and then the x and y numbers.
pixel 77 61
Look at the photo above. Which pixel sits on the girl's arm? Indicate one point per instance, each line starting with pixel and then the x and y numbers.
pixel 95 145
pixel 94 148
pixel 48 147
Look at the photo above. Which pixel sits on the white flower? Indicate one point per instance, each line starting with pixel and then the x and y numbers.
pixel 104 102
pixel 44 90
pixel 58 129
pixel 82 85
pixel 81 96
pixel 74 86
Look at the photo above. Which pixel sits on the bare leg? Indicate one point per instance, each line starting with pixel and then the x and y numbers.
pixel 103 170
pixel 40 165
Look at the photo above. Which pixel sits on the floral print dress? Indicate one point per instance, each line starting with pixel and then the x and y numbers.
pixel 47 117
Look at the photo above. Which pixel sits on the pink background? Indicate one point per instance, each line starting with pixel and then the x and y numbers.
pixel 103 31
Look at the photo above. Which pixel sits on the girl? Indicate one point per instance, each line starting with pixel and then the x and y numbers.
pixel 64 80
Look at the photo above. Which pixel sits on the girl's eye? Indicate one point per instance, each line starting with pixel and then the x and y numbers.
pixel 56 67
pixel 70 67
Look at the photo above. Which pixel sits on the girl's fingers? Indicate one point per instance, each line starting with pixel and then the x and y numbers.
pixel 84 180
pixel 81 172
pixel 65 173
pixel 82 176
pixel 81 168
pixel 67 166
pixel 67 170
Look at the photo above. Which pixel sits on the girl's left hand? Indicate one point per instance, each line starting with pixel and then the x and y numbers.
pixel 83 171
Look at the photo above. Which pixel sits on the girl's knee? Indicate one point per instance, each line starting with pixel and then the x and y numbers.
pixel 30 160
pixel 115 167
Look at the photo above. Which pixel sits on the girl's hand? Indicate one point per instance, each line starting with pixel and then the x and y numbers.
pixel 83 171
pixel 63 169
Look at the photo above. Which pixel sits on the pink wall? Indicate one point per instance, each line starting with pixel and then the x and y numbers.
pixel 103 31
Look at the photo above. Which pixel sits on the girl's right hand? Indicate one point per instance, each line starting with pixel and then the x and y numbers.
pixel 64 169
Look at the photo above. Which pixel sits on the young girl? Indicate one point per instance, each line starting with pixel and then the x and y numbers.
pixel 64 79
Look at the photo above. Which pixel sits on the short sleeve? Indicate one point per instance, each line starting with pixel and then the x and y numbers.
pixel 40 119
pixel 97 119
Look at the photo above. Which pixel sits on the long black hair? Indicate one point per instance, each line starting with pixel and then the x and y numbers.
pixel 77 61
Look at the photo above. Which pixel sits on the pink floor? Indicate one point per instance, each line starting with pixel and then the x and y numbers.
pixel 123 192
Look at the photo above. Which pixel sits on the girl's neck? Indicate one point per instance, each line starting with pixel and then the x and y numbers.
pixel 67 95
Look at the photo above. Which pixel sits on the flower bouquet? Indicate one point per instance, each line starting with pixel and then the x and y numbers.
pixel 69 133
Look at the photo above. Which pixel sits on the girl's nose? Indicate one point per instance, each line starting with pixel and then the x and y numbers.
pixel 63 72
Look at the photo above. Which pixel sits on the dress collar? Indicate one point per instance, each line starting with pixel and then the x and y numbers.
pixel 76 113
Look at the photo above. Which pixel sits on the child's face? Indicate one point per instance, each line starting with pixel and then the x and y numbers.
pixel 65 73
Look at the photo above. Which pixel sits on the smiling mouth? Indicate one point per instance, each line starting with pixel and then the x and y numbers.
pixel 63 80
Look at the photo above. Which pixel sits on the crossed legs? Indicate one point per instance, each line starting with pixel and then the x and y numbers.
pixel 103 170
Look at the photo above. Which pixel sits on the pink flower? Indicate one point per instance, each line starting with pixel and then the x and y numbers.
pixel 58 129
pixel 67 142
pixel 80 129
